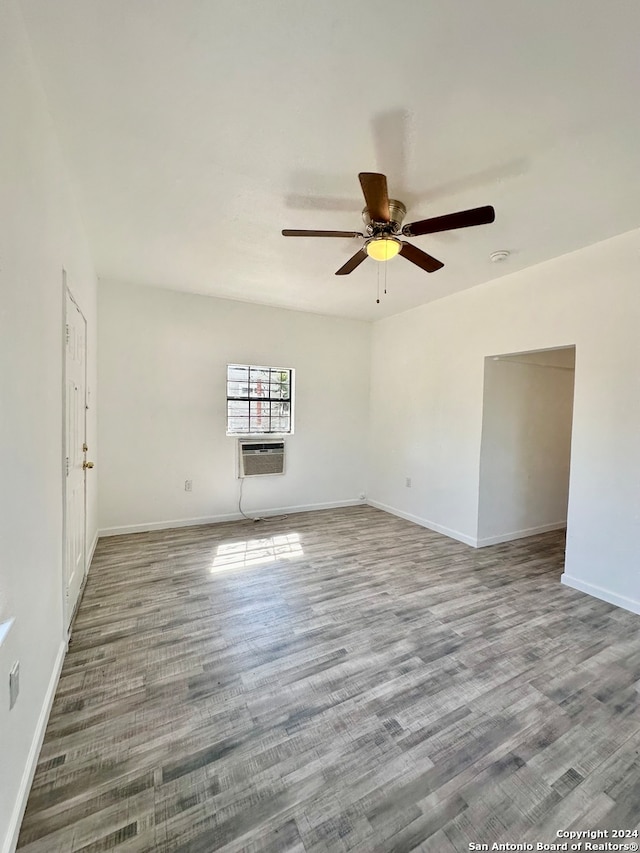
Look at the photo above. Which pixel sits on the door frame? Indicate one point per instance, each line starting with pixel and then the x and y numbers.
pixel 66 614
pixel 513 357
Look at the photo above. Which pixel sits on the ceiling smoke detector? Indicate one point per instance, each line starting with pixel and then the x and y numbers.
pixel 501 255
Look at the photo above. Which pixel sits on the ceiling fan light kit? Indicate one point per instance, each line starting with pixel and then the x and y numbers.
pixel 383 218
pixel 383 248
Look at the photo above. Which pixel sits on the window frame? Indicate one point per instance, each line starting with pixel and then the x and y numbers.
pixel 249 399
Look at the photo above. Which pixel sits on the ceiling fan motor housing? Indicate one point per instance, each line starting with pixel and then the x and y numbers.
pixel 397 212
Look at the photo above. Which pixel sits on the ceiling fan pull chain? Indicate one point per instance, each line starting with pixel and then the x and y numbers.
pixel 385 279
pixel 378 299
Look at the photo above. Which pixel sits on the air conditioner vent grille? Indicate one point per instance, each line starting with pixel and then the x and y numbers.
pixel 257 458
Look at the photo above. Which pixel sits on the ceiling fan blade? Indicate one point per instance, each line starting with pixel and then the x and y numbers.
pixel 420 258
pixel 353 262
pixel 374 189
pixel 287 232
pixel 462 219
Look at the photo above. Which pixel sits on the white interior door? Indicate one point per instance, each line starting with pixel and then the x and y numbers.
pixel 75 449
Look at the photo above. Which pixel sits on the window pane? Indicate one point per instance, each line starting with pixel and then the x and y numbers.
pixel 237 408
pixel 258 391
pixel 238 373
pixel 279 390
pixel 237 389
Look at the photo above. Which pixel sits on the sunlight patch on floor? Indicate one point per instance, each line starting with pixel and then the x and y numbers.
pixel 257 552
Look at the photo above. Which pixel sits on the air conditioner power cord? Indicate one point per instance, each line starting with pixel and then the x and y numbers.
pixel 257 518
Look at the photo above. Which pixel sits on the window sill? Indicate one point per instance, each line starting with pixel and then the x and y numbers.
pixel 266 436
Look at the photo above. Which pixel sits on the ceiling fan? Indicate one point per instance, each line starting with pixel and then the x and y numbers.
pixel 383 225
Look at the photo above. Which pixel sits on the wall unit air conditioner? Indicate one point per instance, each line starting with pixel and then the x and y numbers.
pixel 257 458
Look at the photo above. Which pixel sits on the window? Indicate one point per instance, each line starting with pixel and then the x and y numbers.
pixel 259 399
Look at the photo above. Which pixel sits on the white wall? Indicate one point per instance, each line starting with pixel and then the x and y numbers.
pixel 426 398
pixel 39 235
pixel 526 447
pixel 162 373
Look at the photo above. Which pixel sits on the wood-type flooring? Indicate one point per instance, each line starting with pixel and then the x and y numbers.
pixel 341 680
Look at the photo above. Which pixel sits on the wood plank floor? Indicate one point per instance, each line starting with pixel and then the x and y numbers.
pixel 336 681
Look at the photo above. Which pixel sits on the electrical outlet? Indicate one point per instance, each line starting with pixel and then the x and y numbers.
pixel 14 684
pixel 407 482
pixel 188 485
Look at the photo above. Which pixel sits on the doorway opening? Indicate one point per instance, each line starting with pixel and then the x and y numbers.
pixel 525 455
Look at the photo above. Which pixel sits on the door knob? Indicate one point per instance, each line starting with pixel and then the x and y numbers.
pixel 86 465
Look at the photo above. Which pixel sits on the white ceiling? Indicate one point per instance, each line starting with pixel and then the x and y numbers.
pixel 196 130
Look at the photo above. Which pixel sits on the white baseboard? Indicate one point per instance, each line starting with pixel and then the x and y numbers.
pixel 470 540
pixel 423 522
pixel 521 534
pixel 601 593
pixel 11 838
pixel 147 527
pixel 92 551
pixel 90 554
